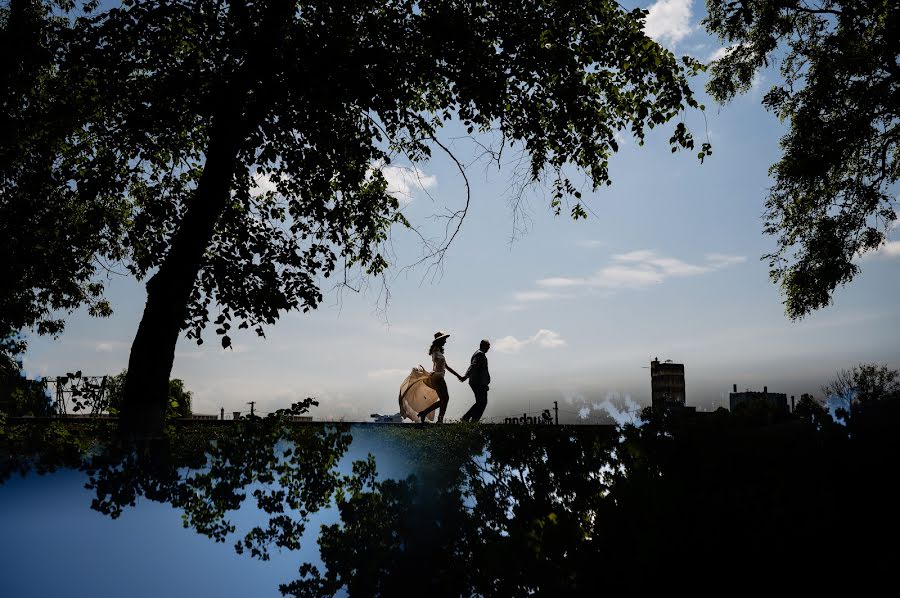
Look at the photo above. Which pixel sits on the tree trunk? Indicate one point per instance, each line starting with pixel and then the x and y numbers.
pixel 169 290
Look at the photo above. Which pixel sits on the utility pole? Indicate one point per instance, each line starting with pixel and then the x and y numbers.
pixel 556 411
pixel 251 403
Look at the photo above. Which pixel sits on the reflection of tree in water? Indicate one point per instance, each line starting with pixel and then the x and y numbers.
pixel 563 511
pixel 515 511
pixel 289 471
pixel 206 471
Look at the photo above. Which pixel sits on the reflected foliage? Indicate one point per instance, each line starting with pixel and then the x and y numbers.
pixel 813 412
pixel 206 471
pixel 18 395
pixel 868 392
pixel 287 471
pixel 519 511
pixel 865 383
pixel 562 511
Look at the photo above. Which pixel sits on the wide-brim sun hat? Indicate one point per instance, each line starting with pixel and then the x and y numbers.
pixel 439 335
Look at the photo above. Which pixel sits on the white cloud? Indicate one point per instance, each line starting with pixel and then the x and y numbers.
pixel 264 184
pixel 635 256
pixel 404 181
pixel 669 21
pixel 641 269
pixel 673 267
pixel 720 53
pixel 757 82
pixel 110 346
pixel 535 296
pixel 722 260
pixel 546 339
pixel 561 282
pixel 889 249
pixel 627 277
pixel 895 223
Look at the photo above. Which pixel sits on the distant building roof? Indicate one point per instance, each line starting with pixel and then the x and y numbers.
pixel 387 419
pixel 774 399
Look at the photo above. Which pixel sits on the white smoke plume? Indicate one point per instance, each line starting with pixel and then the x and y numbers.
pixel 615 408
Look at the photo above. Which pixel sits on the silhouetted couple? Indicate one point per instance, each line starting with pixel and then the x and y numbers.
pixel 478 376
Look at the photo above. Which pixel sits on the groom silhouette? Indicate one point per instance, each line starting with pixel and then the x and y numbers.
pixel 479 378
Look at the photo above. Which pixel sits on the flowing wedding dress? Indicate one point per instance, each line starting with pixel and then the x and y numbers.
pixel 416 394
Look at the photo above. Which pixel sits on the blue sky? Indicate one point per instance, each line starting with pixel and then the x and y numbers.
pixel 667 265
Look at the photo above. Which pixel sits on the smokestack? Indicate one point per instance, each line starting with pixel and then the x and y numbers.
pixel 222 413
pixel 766 389
pixel 735 388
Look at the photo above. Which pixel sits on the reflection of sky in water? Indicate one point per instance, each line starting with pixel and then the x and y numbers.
pixel 53 544
pixel 481 462
pixel 835 402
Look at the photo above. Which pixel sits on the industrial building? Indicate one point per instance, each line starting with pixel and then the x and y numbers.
pixel 739 400
pixel 666 385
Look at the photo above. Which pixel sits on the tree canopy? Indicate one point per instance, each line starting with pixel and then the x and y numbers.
pixel 232 148
pixel 834 191
pixel 864 383
pixel 53 232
